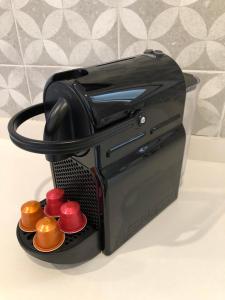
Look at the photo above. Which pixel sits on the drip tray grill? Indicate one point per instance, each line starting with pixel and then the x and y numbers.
pixel 77 247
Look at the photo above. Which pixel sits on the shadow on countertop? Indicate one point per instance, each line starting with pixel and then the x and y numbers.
pixel 185 221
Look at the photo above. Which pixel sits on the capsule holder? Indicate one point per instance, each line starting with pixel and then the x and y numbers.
pixel 77 247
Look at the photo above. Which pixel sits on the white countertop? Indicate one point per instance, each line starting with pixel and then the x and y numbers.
pixel 179 255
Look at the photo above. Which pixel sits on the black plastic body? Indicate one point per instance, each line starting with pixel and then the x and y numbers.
pixel 81 102
pixel 141 186
pixel 130 177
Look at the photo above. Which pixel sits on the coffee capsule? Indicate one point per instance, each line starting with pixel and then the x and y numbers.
pixel 31 212
pixel 71 220
pixel 54 200
pixel 48 236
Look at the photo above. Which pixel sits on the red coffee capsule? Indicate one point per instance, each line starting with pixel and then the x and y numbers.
pixel 71 220
pixel 54 200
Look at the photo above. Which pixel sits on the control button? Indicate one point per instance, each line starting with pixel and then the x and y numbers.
pixel 143 149
pixel 142 120
pixel 154 53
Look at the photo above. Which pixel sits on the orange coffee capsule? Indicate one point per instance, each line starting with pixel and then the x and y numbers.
pixel 31 212
pixel 48 236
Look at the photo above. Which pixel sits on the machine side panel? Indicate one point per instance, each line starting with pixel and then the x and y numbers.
pixel 138 191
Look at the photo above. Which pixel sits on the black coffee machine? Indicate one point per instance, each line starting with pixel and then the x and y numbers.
pixel 115 142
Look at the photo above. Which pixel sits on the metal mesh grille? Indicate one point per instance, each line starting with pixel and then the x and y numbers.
pixel 79 184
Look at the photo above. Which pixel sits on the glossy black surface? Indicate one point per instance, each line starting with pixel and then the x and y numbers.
pixel 117 89
pixel 103 95
pixel 141 185
pixel 110 92
pixel 135 172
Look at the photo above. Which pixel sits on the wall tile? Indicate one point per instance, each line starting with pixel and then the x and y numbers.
pixel 14 94
pixel 210 114
pixel 59 34
pixel 9 46
pixel 37 77
pixel 191 31
pixel 69 32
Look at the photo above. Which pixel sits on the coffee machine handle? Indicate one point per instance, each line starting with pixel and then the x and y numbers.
pixel 60 147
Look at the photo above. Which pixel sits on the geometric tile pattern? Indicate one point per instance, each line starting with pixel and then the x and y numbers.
pixel 41 37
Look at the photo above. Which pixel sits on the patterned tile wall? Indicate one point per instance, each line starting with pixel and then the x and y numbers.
pixel 41 37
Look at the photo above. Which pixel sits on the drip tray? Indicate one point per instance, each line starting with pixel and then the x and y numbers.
pixel 77 248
